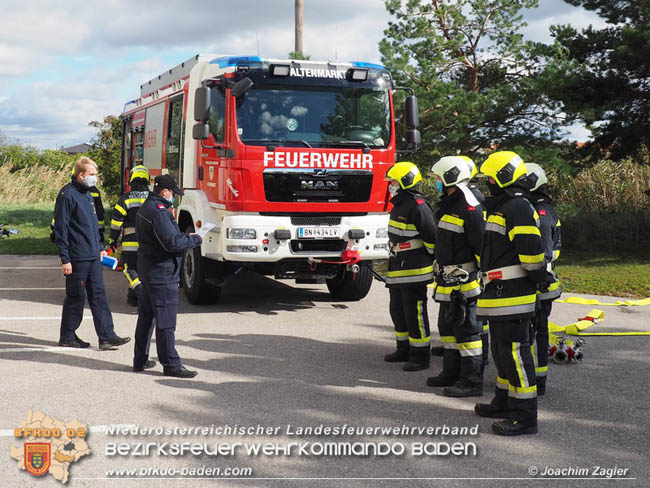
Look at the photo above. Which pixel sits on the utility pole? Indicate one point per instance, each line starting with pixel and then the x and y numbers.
pixel 299 8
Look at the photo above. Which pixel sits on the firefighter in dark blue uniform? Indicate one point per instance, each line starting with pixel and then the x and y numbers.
pixel 159 262
pixel 513 268
pixel 549 227
pixel 123 222
pixel 461 225
pixel 411 232
pixel 76 236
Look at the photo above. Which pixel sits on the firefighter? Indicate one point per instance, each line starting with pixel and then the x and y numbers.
pixel 512 265
pixel 159 255
pixel 123 222
pixel 458 245
pixel 549 222
pixel 411 232
pixel 485 338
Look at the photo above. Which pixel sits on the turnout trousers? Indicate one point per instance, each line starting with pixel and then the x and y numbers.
pixel 516 389
pixel 540 344
pixel 130 261
pixel 408 310
pixel 86 278
pixel 157 310
pixel 461 341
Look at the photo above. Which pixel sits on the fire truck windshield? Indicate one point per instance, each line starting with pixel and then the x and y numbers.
pixel 319 116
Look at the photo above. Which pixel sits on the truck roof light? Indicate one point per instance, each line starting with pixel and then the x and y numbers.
pixel 279 69
pixel 358 74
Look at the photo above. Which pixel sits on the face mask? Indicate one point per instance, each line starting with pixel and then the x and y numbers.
pixel 393 189
pixel 494 189
pixel 439 186
pixel 90 181
pixel 170 199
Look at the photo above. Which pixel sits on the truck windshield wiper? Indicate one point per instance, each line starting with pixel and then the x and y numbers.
pixel 270 142
pixel 366 147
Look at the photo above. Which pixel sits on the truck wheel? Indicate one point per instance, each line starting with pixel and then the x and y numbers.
pixel 193 276
pixel 346 287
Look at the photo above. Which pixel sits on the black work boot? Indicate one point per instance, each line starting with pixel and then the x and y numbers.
pixel 419 359
pixel 401 355
pixel 511 427
pixel 443 379
pixel 438 351
pixel 459 390
pixel 490 411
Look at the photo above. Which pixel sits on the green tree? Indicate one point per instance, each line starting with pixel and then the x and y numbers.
pixel 299 55
pixel 106 152
pixel 478 83
pixel 602 76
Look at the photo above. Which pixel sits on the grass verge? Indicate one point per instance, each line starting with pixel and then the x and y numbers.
pixel 622 275
pixel 33 222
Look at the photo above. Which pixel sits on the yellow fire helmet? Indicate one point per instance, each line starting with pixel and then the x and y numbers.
pixel 405 173
pixel 139 171
pixel 505 167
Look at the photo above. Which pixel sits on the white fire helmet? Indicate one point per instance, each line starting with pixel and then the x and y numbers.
pixel 536 176
pixel 453 170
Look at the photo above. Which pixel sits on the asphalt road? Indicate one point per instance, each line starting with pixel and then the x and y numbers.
pixel 285 356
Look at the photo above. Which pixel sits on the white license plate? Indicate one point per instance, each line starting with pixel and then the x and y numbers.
pixel 318 232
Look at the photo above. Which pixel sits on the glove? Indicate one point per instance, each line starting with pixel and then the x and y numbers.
pixel 112 247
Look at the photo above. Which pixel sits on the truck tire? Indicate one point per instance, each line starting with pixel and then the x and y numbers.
pixel 194 275
pixel 348 288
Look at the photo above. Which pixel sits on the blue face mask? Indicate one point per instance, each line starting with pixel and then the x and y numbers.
pixel 439 186
pixel 171 199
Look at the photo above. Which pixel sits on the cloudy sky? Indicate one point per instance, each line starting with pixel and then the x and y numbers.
pixel 66 63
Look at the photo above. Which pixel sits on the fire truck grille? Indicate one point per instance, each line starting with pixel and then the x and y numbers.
pixel 316 220
pixel 312 187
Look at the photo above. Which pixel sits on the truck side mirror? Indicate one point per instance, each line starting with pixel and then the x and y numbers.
pixel 413 138
pixel 200 132
pixel 202 104
pixel 241 87
pixel 412 115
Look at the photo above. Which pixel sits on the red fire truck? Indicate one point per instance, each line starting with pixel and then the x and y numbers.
pixel 286 158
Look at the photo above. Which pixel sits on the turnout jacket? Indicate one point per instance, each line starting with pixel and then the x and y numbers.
pixel 124 212
pixel 459 240
pixel 549 227
pixel 161 242
pixel 512 248
pixel 76 232
pixel 411 234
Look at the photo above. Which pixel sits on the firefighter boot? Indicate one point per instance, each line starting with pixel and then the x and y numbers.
pixel 459 390
pixel 401 355
pixel 419 358
pixel 497 408
pixel 443 379
pixel 511 427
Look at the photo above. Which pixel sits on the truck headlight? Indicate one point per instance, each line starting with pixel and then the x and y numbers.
pixel 382 233
pixel 241 233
